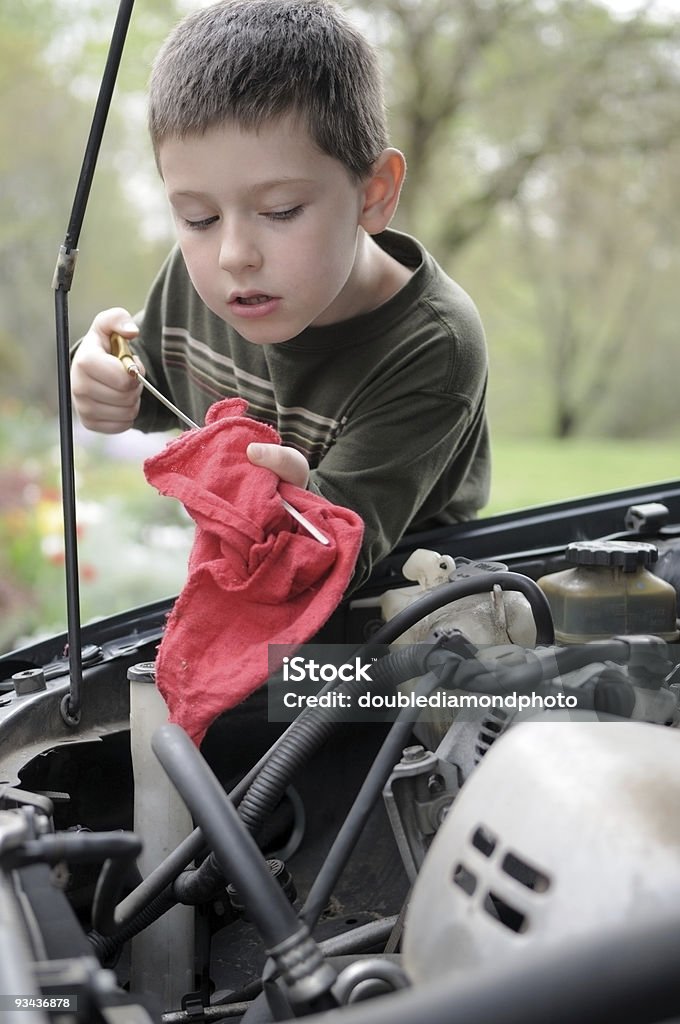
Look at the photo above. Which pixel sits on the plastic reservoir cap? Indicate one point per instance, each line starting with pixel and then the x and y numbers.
pixel 428 568
pixel 627 555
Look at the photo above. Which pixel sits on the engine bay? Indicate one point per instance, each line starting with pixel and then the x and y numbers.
pixel 497 841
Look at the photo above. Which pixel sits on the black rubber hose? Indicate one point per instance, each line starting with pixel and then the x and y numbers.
pixel 107 947
pixel 482 584
pixel 298 959
pixel 238 855
pixel 197 886
pixel 412 660
pixel 171 870
pixel 76 848
pixel 625 975
pixel 476 677
pixel 113 877
pixel 361 809
pixel 306 735
pixel 158 880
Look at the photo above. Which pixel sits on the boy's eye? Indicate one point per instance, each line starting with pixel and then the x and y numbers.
pixel 294 211
pixel 199 225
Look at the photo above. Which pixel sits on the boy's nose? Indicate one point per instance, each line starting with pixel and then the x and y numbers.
pixel 238 250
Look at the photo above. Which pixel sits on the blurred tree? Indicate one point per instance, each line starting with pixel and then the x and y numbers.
pixel 43 127
pixel 558 121
pixel 603 265
pixel 542 130
pixel 483 91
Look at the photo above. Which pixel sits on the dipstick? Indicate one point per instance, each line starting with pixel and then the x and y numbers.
pixel 121 349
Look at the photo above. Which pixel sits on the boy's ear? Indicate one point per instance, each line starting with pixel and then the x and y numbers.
pixel 381 191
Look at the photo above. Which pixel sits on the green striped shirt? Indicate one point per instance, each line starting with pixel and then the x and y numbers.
pixel 388 407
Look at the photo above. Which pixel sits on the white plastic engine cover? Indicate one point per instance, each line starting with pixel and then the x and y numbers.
pixel 564 830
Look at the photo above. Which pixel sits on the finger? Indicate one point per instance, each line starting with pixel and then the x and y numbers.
pixel 107 382
pixel 96 403
pixel 93 363
pixel 289 464
pixel 140 365
pixel 115 319
pixel 111 405
pixel 106 419
pixel 106 426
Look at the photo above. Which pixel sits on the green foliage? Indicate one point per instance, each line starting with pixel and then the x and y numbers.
pixel 133 544
pixel 43 129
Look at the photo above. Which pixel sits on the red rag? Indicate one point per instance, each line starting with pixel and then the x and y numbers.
pixel 255 576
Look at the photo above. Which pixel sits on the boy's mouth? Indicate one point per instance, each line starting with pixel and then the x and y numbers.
pixel 252 300
pixel 253 305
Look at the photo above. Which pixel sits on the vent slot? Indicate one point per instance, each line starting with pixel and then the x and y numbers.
pixel 525 874
pixel 484 841
pixel 495 726
pixel 505 914
pixel 465 879
pixel 491 728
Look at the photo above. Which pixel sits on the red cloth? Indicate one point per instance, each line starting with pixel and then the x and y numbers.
pixel 256 577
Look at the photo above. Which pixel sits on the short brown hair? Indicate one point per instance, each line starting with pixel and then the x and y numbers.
pixel 250 61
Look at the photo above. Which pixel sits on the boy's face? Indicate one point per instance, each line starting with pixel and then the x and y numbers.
pixel 269 227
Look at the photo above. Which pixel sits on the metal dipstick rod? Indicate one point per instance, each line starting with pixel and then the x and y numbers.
pixel 121 349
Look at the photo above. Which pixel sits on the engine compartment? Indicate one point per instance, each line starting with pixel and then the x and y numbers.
pixel 442 860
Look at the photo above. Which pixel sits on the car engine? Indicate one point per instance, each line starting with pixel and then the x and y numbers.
pixel 492 837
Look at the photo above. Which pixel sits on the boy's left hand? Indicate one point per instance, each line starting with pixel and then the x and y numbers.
pixel 289 464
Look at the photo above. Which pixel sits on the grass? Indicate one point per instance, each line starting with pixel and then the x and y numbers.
pixel 533 472
pixel 525 472
pixel 133 543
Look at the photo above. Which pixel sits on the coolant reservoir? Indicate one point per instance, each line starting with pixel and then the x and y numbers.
pixel 495 617
pixel 609 592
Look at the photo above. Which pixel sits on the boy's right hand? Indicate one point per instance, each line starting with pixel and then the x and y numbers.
pixel 105 396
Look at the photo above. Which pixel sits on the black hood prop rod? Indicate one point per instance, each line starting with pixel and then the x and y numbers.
pixel 63 275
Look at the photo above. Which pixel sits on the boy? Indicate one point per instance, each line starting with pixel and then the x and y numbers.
pixel 287 287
